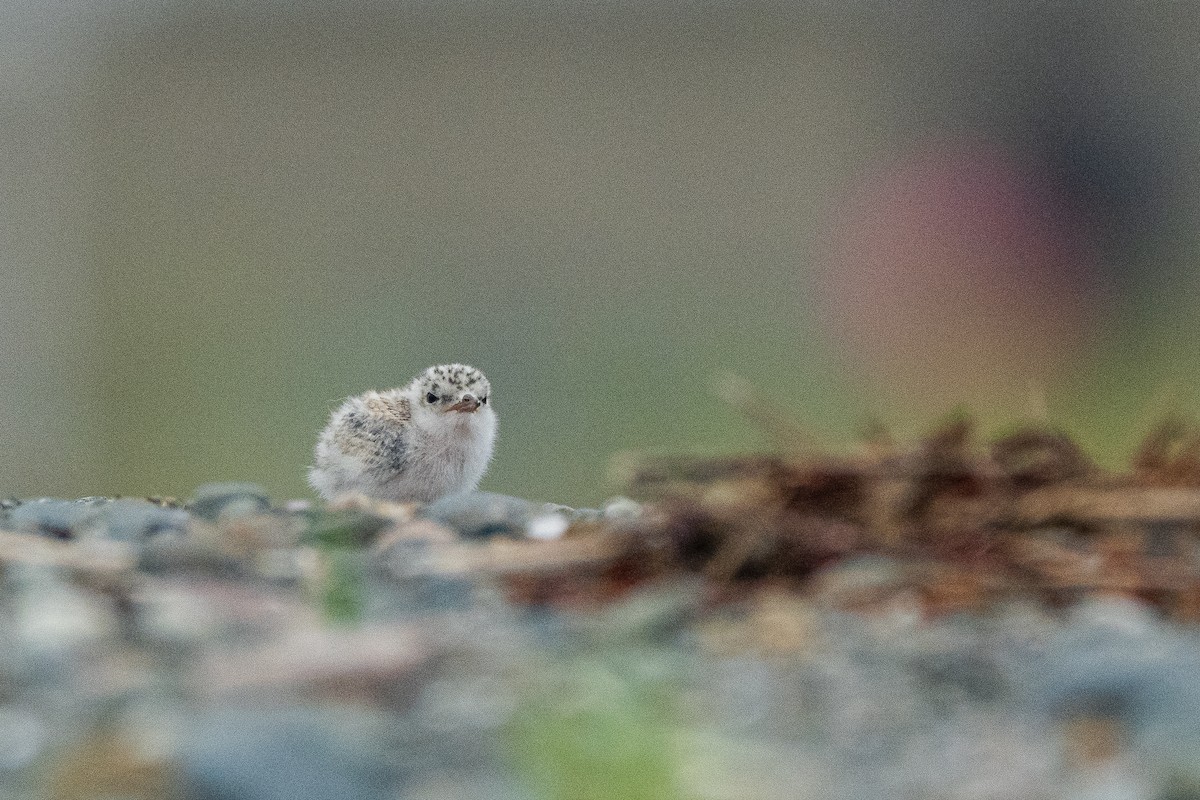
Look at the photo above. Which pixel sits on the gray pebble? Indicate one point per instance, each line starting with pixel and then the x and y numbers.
pixel 622 508
pixel 213 500
pixel 50 516
pixel 480 515
pixel 53 616
pixel 858 580
pixel 423 594
pixel 137 520
pixel 586 515
pixel 23 735
pixel 296 753
pixel 171 553
pixel 93 500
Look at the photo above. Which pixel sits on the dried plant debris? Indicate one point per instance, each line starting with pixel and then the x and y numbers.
pixel 968 522
pixel 1035 457
pixel 1170 454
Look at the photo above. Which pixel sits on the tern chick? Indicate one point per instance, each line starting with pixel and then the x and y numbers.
pixel 429 439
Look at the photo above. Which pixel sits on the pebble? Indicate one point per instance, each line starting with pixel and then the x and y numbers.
pixel 54 617
pixel 213 500
pixel 304 752
pixel 175 618
pixel 584 514
pixel 126 520
pixel 52 517
pixel 187 554
pixel 546 527
pixel 105 764
pixel 480 515
pixel 23 735
pixel 136 520
pixel 618 509
pixel 860 583
pixel 424 594
pixel 650 614
pixel 408 557
pixel 622 508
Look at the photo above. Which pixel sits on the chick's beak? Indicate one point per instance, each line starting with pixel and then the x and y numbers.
pixel 466 406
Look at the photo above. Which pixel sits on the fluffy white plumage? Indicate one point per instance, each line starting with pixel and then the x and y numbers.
pixel 431 438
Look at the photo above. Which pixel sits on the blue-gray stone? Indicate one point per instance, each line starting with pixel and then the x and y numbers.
pixel 50 516
pixel 586 515
pixel 479 515
pixel 435 593
pixel 137 520
pixel 292 753
pixel 177 553
pixel 231 499
pixel 622 508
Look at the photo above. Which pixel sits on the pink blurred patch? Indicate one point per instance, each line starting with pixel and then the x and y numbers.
pixel 957 275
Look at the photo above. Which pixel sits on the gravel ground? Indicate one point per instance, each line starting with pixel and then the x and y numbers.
pixel 231 647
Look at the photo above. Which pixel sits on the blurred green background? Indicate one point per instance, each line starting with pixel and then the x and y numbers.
pixel 217 219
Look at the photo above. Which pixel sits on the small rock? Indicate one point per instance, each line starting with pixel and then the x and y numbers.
pixel 545 527
pixel 622 508
pixel 654 613
pixel 480 515
pixel 586 515
pixel 408 555
pixel 50 516
pixel 956 671
pixel 53 616
pixel 373 663
pixel 407 548
pixel 93 500
pixel 175 618
pixel 135 520
pixel 23 735
pixel 438 594
pixel 246 535
pixel 1144 678
pixel 1119 615
pixel 190 554
pixel 860 584
pixel 295 753
pixel 213 500
pixel 776 623
pixel 180 612
pixel 284 565
pixel 106 764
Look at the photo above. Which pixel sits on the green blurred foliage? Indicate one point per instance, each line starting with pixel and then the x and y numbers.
pixel 591 732
pixel 343 590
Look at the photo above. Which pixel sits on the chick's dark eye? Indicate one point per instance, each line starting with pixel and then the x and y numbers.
pixel 483 400
pixel 431 398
